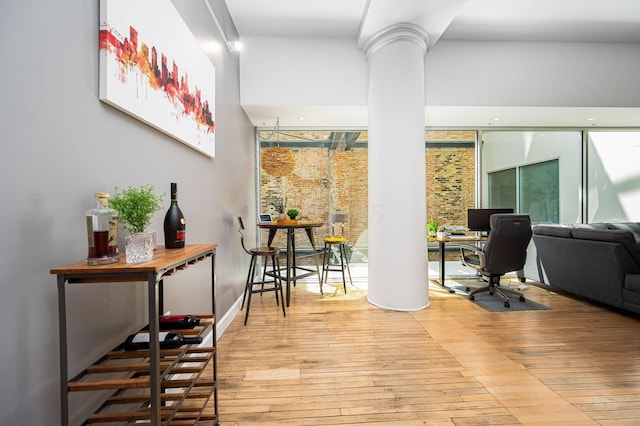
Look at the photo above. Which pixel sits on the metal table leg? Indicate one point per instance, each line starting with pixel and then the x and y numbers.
pixel 441 262
pixel 309 232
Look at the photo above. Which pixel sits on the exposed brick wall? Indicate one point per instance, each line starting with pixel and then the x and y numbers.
pixel 349 191
pixel 302 176
pixel 450 187
pixel 319 181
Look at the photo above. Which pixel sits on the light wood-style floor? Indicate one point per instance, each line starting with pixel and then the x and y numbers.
pixel 338 360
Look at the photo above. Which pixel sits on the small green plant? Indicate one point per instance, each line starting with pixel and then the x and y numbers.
pixel 432 227
pixel 136 206
pixel 292 213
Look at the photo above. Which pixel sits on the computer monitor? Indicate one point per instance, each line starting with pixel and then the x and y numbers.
pixel 479 219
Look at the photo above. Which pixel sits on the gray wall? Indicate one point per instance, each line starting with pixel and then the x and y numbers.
pixel 60 145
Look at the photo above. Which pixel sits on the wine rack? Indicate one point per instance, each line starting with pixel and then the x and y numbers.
pixel 154 386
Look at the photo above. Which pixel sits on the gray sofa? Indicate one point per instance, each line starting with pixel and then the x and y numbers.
pixel 599 261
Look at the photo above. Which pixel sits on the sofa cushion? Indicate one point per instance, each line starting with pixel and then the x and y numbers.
pixel 552 230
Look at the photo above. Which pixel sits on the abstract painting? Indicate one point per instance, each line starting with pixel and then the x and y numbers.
pixel 152 67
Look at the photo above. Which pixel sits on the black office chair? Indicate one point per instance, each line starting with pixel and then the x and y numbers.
pixel 504 251
pixel 275 285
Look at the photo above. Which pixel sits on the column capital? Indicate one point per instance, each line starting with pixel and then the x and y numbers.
pixel 402 31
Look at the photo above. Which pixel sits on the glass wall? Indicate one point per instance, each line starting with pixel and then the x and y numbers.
pixel 451 175
pixel 322 172
pixel 503 189
pixel 542 170
pixel 613 176
pixel 557 176
pixel 316 172
pixel 538 191
pixel 531 188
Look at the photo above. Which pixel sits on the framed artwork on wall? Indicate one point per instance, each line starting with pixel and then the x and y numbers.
pixel 152 67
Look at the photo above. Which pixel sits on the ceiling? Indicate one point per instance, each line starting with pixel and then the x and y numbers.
pixel 608 21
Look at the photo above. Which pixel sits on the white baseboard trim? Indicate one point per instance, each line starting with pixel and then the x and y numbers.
pixel 227 318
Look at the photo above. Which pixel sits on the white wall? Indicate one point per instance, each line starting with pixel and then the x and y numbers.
pixel 305 71
pixel 533 74
pixel 60 145
pixel 299 72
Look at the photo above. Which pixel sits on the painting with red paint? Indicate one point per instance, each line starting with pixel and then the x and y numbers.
pixel 152 67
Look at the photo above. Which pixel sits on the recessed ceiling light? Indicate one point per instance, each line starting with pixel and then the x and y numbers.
pixel 301 117
pixel 497 118
pixel 590 119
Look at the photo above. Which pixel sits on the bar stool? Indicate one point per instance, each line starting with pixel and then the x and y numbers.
pixel 275 285
pixel 336 220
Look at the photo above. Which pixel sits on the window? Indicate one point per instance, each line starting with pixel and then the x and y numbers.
pixel 502 189
pixel 536 190
pixel 546 173
pixel 322 172
pixel 613 176
pixel 539 191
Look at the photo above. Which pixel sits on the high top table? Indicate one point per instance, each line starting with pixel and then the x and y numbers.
pixel 291 267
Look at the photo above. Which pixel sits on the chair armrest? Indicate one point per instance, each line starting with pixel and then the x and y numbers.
pixel 477 251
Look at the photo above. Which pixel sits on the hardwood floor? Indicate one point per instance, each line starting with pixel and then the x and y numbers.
pixel 338 360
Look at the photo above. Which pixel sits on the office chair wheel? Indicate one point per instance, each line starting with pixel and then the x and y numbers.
pixel 507 304
pixel 522 298
pixel 467 289
pixel 471 297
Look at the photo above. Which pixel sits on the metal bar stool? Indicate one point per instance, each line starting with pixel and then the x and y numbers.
pixel 339 242
pixel 275 285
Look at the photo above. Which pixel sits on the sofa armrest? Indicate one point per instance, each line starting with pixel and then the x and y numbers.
pixel 610 235
pixel 633 227
pixel 552 230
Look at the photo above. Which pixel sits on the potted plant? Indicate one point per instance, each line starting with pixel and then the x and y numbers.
pixel 292 213
pixel 432 227
pixel 280 204
pixel 136 206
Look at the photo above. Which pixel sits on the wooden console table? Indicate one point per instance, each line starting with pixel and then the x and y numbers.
pixel 159 369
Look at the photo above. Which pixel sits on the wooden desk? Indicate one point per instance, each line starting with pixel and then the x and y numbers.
pixel 164 263
pixel 291 267
pixel 442 242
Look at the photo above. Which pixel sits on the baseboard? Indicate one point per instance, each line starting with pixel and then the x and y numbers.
pixel 227 318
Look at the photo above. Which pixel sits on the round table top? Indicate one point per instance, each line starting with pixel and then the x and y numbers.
pixel 291 224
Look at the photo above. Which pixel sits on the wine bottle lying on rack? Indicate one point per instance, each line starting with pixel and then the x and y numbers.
pixel 167 341
pixel 173 322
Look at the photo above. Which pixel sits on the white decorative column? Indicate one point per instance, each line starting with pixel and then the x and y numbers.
pixel 398 268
